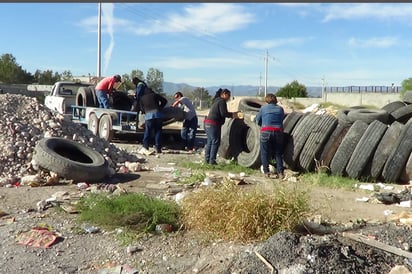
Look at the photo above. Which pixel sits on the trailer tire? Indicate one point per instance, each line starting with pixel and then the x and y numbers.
pixel 93 124
pixel 106 127
pixel 70 160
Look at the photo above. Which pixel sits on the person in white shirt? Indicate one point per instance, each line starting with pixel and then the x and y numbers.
pixel 189 129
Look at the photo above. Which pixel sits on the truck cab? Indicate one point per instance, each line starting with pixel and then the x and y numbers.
pixel 63 96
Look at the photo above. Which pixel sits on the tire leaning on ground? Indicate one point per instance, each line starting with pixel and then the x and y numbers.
pixel 250 156
pixel 70 160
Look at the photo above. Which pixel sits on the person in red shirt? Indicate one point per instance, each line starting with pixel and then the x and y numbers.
pixel 105 88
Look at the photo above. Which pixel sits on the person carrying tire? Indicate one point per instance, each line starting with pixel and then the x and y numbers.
pixel 270 119
pixel 151 104
pixel 105 88
pixel 189 128
pixel 213 123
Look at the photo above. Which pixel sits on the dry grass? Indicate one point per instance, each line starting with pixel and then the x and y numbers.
pixel 243 214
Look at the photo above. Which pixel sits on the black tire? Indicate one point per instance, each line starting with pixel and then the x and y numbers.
pixel 392 106
pixel 122 101
pixel 106 127
pixel 171 113
pixel 364 149
pixel 86 97
pixel 384 148
pixel 402 114
pixel 333 143
pixel 250 157
pixel 316 141
pixel 291 121
pixel 399 155
pixel 346 148
pixel 233 138
pixel 70 160
pixel 343 116
pixel 93 124
pixel 368 115
pixel 407 97
pixel 298 138
pixel 406 174
pixel 248 104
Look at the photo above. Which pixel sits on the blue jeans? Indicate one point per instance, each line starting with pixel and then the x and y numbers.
pixel 213 142
pixel 271 144
pixel 188 132
pixel 156 126
pixel 103 99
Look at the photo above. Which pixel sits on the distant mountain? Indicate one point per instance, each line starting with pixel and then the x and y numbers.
pixel 241 90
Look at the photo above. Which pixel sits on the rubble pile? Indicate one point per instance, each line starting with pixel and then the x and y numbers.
pixel 25 121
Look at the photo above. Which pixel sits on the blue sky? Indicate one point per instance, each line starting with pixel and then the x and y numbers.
pixel 205 44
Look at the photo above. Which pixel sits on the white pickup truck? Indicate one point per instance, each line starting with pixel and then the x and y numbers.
pixel 63 96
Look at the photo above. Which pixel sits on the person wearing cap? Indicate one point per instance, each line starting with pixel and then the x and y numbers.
pixel 105 88
pixel 270 119
pixel 189 128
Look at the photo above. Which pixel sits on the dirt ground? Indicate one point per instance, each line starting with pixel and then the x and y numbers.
pixel 80 251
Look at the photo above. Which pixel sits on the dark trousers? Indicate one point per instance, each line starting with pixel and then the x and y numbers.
pixel 271 144
pixel 188 132
pixel 213 142
pixel 154 125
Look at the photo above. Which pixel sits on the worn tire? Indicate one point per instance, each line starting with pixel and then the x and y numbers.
pixel 402 114
pixel 86 97
pixel 224 148
pixel 399 155
pixel 364 149
pixel 384 148
pixel 407 97
pixel 298 138
pixel 346 148
pixel 368 115
pixel 333 143
pixel 122 101
pixel 250 156
pixel 248 104
pixel 70 160
pixel 316 141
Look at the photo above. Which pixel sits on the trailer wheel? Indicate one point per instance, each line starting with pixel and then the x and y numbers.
pixel 93 124
pixel 70 160
pixel 106 128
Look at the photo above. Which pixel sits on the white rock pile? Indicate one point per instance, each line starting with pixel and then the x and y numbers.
pixel 24 121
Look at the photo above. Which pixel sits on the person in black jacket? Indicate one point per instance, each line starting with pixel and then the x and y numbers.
pixel 213 123
pixel 151 104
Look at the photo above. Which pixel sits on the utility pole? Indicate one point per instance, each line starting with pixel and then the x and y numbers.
pixel 323 90
pixel 266 70
pixel 99 40
pixel 260 83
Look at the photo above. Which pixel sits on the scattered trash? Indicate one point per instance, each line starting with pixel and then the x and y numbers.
pixel 30 179
pixel 363 199
pixel 91 229
pixel 132 249
pixel 207 181
pixel 370 187
pixel 39 237
pixel 161 228
pixel 123 169
pixel 163 169
pixel 146 151
pixel 120 269
pixel 83 185
pixel 387 212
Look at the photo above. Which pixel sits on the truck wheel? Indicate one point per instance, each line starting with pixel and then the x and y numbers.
pixel 70 160
pixel 93 124
pixel 106 128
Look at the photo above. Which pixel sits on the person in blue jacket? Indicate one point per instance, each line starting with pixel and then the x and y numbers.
pixel 270 119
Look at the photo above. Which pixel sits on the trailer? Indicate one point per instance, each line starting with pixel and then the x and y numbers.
pixel 106 122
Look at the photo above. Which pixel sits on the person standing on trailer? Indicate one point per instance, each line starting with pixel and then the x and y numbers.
pixel 105 88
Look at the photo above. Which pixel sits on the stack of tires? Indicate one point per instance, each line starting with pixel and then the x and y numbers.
pixel 365 144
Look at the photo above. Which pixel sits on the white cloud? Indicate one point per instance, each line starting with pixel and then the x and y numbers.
pixel 107 11
pixel 201 19
pixel 396 11
pixel 274 43
pixel 378 42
